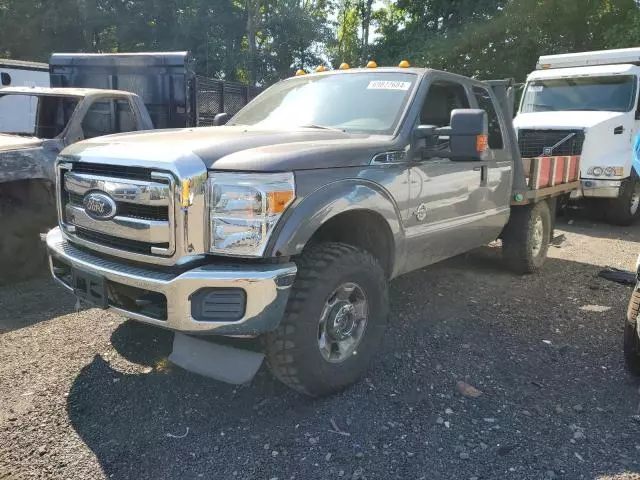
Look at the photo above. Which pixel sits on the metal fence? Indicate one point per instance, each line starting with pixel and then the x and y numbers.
pixel 217 96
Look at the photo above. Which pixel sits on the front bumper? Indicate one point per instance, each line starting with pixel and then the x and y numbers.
pixel 132 287
pixel 601 188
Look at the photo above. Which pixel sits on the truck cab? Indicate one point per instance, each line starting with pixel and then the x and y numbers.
pixel 586 105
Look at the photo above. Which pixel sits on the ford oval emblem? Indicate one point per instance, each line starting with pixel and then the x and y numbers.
pixel 99 206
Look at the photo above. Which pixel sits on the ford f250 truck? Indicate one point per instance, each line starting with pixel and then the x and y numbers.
pixel 588 105
pixel 287 223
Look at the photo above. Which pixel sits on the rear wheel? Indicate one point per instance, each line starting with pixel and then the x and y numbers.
pixel 334 322
pixel 525 239
pixel 631 335
pixel 625 209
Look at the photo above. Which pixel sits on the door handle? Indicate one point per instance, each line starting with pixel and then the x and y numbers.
pixel 483 172
pixel 618 130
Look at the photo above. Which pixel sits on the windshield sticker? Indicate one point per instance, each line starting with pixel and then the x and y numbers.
pixel 536 88
pixel 388 85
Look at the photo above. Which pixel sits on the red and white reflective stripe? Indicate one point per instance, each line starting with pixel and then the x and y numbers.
pixel 552 170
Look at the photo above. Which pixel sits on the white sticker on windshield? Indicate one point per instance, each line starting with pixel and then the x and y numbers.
pixel 536 88
pixel 388 85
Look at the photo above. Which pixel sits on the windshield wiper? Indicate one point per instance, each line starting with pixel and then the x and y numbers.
pixel 321 127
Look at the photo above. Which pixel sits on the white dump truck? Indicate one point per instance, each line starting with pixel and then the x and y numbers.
pixel 586 105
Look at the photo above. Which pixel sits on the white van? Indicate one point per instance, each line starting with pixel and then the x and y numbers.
pixel 17 114
pixel 586 105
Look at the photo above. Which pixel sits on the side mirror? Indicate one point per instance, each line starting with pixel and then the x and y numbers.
pixel 221 119
pixel 468 135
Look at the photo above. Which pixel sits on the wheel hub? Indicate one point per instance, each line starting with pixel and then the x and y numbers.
pixel 342 323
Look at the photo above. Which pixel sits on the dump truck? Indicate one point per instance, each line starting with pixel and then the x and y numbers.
pixel 586 105
pixel 284 224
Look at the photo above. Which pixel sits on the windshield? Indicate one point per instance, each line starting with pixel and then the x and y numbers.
pixel 40 116
pixel 368 102
pixel 607 94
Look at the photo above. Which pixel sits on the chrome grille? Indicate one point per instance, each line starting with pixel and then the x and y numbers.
pixel 144 217
pixel 532 143
pixel 147 212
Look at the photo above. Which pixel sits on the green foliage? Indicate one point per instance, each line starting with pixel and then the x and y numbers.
pixel 285 33
pixel 501 38
pixel 261 41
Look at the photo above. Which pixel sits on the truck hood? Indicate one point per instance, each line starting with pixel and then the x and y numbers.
pixel 238 147
pixel 568 119
pixel 14 142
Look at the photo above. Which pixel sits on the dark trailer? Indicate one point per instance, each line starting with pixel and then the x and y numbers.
pixel 165 81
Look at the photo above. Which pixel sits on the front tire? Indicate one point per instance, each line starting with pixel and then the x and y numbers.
pixel 334 321
pixel 525 239
pixel 625 209
pixel 631 335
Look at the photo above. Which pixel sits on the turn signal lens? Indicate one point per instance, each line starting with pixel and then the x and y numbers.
pixel 482 143
pixel 277 202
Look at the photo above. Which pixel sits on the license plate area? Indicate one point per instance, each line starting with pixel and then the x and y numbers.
pixel 90 288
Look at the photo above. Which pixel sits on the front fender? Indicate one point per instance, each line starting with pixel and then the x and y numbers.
pixel 26 164
pixel 305 217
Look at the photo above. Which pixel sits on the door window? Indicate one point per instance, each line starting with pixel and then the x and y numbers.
pixel 125 120
pixel 442 98
pixel 98 120
pixel 485 103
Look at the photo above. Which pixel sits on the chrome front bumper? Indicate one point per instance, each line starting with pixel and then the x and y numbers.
pixel 601 188
pixel 266 288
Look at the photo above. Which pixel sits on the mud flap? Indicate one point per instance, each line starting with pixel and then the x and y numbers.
pixel 220 362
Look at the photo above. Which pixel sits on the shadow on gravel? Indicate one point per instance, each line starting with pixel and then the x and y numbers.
pixel 28 303
pixel 544 349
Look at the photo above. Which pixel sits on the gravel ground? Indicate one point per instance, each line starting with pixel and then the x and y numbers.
pixel 88 395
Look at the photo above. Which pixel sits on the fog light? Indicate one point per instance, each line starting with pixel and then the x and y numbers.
pixel 218 304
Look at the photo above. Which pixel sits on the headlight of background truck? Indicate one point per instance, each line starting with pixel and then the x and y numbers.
pixel 606 171
pixel 244 209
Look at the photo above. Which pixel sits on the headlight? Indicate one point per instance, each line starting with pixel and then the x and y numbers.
pixel 608 171
pixel 244 209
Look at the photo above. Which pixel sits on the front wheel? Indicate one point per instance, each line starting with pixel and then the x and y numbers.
pixel 334 321
pixel 525 239
pixel 631 335
pixel 625 209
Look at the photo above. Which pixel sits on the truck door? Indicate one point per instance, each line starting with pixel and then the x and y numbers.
pixel 448 198
pixel 499 166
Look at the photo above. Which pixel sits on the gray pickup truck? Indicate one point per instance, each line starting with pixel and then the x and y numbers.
pixel 58 118
pixel 287 223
